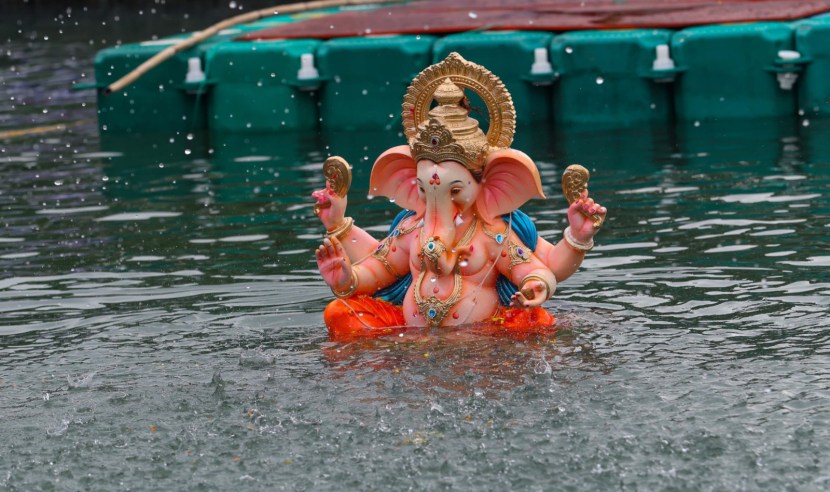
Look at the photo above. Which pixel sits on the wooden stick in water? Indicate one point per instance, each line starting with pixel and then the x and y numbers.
pixel 225 24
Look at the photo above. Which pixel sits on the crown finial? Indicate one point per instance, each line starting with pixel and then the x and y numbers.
pixel 448 93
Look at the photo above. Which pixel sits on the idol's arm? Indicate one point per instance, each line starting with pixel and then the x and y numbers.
pixel 331 209
pixel 365 276
pixel 561 259
pixel 566 257
pixel 534 279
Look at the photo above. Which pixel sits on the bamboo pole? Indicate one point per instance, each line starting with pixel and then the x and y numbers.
pixel 225 24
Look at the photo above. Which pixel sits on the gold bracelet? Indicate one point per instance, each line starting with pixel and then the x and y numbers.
pixel 580 252
pixel 576 244
pixel 351 290
pixel 342 229
pixel 534 276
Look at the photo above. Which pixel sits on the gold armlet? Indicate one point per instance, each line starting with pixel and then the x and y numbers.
pixel 351 290
pixel 534 276
pixel 342 229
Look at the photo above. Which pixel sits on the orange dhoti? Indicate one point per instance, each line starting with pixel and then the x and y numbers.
pixel 364 316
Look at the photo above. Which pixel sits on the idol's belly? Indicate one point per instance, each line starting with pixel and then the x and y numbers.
pixel 476 303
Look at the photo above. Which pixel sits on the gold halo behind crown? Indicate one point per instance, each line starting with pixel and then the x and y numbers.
pixel 446 132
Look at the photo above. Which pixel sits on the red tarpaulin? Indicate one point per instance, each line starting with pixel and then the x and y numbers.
pixel 448 16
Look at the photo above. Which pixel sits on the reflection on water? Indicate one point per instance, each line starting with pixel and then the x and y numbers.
pixel 161 317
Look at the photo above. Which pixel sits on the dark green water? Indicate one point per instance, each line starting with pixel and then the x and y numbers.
pixel 161 318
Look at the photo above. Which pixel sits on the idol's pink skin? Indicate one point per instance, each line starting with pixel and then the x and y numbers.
pixel 358 243
pixel 445 208
pixel 561 258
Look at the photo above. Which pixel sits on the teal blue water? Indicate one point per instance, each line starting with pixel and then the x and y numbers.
pixel 161 328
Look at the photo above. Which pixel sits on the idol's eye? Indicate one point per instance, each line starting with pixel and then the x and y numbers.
pixel 421 189
pixel 455 191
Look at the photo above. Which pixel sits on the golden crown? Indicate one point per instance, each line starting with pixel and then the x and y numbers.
pixel 446 132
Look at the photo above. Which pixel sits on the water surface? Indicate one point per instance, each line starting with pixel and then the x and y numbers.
pixel 161 316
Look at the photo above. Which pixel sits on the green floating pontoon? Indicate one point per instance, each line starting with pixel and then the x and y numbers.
pixel 812 41
pixel 608 78
pixel 266 73
pixel 601 66
pixel 733 72
pixel 365 79
pixel 159 100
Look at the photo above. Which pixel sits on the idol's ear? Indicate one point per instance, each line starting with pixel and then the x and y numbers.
pixel 510 179
pixel 394 176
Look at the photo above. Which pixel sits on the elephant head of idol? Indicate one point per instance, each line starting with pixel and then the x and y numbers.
pixel 451 172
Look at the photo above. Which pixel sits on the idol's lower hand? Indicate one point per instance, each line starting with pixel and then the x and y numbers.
pixel 533 294
pixel 330 207
pixel 580 220
pixel 334 264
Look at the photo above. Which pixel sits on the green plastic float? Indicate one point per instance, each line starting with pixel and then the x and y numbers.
pixel 589 78
pixel 366 77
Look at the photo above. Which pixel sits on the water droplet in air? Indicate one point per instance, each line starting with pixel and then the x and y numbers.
pixel 600 80
pixel 697 123
pixel 806 122
pixel 569 50
pixel 473 15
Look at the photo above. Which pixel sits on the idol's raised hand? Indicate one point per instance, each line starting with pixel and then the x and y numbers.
pixel 584 215
pixel 331 200
pixel 334 265
pixel 330 207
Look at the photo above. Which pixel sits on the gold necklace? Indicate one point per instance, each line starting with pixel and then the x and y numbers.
pixel 400 231
pixel 433 309
pixel 516 252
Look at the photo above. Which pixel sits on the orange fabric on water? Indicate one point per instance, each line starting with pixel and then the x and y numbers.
pixel 522 320
pixel 363 316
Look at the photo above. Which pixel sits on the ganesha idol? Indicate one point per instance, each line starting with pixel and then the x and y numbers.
pixel 460 253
